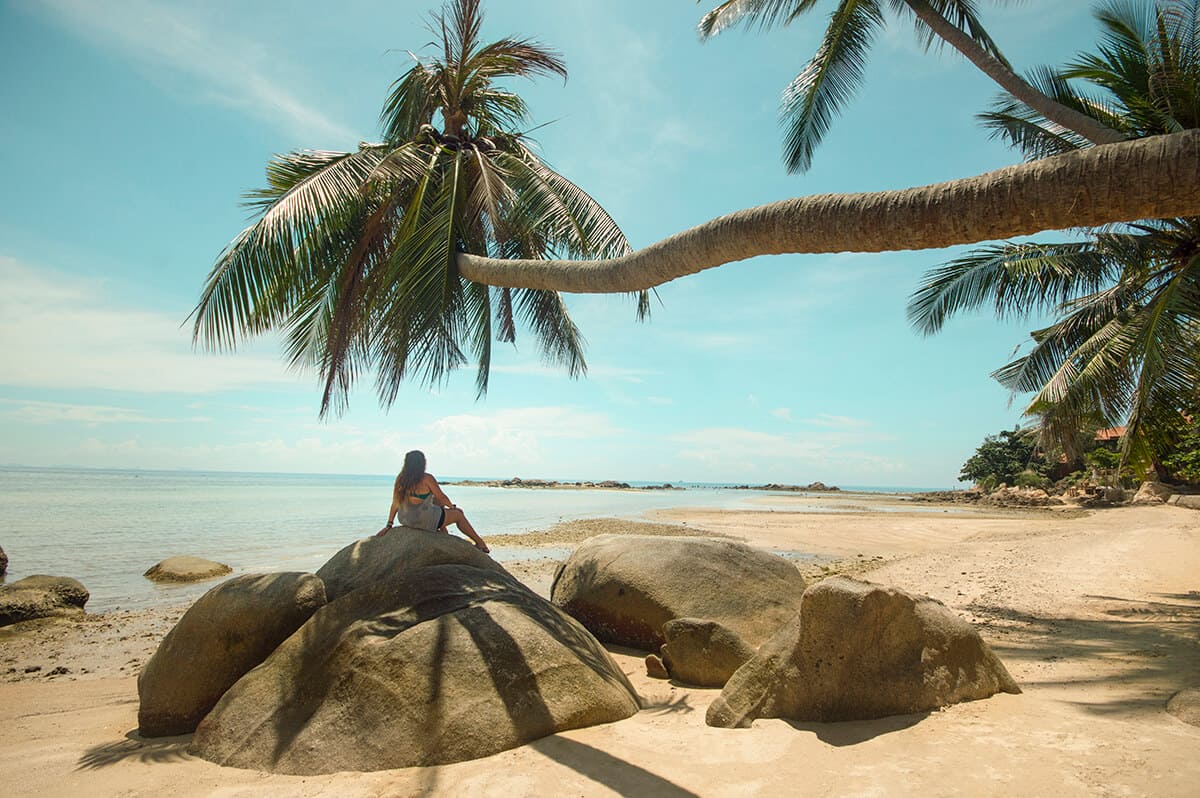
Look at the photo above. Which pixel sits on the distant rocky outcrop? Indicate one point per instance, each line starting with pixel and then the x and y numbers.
pixel 812 487
pixel 625 587
pixel 41 596
pixel 229 630
pixel 857 651
pixel 186 569
pixel 424 666
pixel 703 653
pixel 366 561
pixel 1003 496
pixel 3 562
pixel 517 482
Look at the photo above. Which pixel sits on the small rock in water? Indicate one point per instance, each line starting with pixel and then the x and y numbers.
pixel 186 569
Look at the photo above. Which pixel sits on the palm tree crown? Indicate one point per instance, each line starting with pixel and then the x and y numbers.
pixel 836 71
pixel 1125 347
pixel 352 254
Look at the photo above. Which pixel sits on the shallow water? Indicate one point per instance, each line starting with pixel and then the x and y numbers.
pixel 106 528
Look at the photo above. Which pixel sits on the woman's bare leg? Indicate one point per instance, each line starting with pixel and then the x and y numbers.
pixel 459 519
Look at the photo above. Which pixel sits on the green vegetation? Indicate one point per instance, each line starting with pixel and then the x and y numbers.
pixel 1001 459
pixel 1183 462
pixel 352 254
pixel 1124 349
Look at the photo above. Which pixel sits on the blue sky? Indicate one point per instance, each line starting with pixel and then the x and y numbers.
pixel 131 129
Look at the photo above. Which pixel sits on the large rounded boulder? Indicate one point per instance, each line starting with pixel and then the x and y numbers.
pixel 229 630
pixel 426 666
pixel 366 561
pixel 625 587
pixel 857 651
pixel 41 596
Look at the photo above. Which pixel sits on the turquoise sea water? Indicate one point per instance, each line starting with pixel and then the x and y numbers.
pixel 105 528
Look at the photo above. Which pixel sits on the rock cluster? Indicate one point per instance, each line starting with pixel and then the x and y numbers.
pixel 41 596
pixel 857 651
pixel 411 648
pixel 624 588
pixel 517 482
pixel 812 487
pixel 428 666
pixel 718 614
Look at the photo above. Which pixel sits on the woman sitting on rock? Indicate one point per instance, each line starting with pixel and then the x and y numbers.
pixel 418 502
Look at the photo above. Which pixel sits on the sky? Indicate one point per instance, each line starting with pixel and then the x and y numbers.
pixel 131 129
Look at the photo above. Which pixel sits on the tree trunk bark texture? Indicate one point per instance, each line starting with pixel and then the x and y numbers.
pixel 1014 84
pixel 1156 177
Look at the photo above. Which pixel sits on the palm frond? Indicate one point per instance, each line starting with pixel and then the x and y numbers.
pixel 1015 279
pixel 831 78
pixel 561 342
pixel 763 14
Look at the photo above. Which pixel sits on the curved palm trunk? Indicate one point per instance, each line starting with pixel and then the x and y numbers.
pixel 1012 83
pixel 1149 178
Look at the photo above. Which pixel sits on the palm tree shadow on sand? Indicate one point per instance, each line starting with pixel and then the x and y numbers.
pixel 134 747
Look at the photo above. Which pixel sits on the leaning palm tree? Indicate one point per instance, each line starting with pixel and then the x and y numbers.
pixel 352 254
pixel 1125 347
pixel 836 71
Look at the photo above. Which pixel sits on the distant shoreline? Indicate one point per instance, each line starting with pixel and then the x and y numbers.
pixel 613 484
pixel 551 484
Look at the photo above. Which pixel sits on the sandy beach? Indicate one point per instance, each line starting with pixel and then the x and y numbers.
pixel 1095 614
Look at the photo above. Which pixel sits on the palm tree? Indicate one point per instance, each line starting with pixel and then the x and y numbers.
pixel 352 254
pixel 835 72
pixel 1125 348
pixel 1157 177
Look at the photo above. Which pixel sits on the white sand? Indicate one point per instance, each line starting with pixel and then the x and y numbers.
pixel 1097 617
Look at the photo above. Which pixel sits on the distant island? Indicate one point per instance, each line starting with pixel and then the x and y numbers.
pixel 544 484
pixel 812 487
pixel 613 484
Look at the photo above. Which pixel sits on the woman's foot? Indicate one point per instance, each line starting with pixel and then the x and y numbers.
pixel 483 547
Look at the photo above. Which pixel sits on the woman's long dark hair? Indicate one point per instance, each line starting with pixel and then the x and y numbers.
pixel 410 476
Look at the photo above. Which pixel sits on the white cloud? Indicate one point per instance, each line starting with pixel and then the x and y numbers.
pixel 593 372
pixel 830 421
pixel 61 331
pixel 29 411
pixel 784 413
pixel 762 456
pixel 234 71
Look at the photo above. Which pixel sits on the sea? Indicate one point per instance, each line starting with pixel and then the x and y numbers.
pixel 107 527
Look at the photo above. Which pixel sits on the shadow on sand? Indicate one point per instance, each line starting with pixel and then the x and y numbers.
pixel 1147 648
pixel 134 747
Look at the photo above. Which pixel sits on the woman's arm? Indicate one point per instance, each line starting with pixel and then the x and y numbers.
pixel 391 516
pixel 438 494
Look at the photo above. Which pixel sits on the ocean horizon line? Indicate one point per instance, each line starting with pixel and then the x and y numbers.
pixel 633 483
